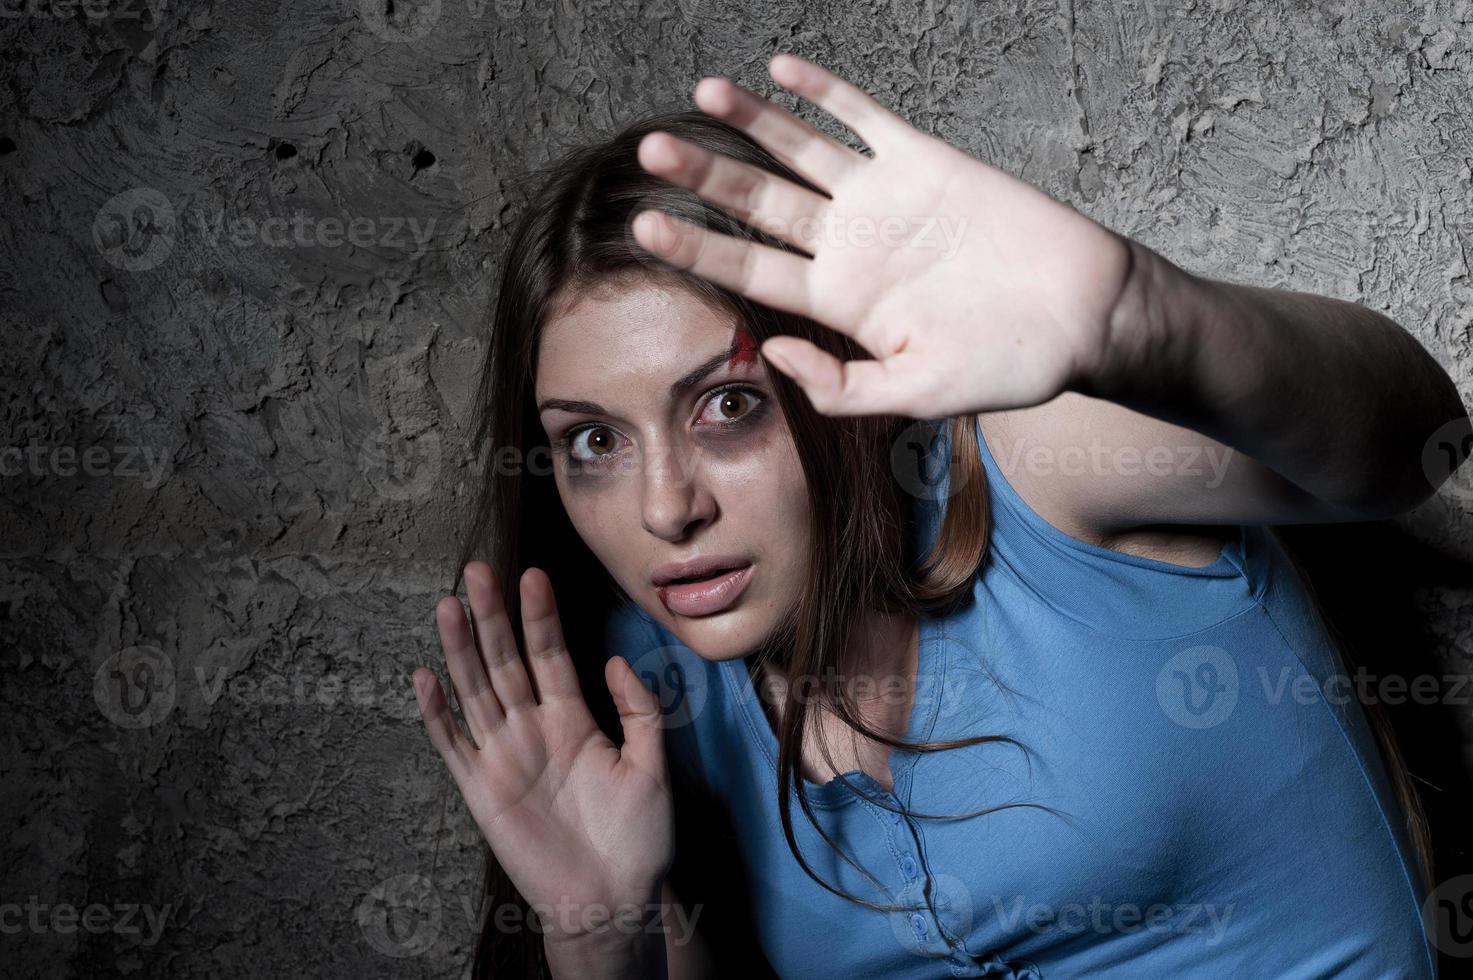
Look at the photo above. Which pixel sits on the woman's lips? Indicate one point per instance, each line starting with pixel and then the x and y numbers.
pixel 707 596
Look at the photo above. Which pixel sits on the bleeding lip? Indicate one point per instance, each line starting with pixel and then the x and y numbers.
pixel 705 596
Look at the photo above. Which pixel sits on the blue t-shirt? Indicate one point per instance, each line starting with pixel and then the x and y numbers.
pixel 1218 807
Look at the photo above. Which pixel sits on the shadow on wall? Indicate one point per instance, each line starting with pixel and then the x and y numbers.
pixel 1373 581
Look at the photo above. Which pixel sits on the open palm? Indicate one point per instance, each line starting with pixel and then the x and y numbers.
pixel 972 290
pixel 574 820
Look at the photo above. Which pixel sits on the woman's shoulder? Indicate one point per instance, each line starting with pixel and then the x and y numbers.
pixel 1192 546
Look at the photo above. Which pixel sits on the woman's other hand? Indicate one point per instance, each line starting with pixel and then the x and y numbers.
pixel 583 828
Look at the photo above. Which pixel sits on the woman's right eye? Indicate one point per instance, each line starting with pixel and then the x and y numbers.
pixel 590 444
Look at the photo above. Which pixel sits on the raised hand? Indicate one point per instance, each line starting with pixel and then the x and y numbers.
pixel 984 294
pixel 575 821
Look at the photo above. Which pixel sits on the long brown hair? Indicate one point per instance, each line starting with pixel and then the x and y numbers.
pixel 575 234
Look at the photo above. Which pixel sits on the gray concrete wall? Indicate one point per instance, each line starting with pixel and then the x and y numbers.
pixel 247 253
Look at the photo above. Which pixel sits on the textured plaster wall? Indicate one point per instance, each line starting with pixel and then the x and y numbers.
pixel 246 270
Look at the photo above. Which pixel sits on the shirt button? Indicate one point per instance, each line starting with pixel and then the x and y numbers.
pixel 908 866
pixel 918 922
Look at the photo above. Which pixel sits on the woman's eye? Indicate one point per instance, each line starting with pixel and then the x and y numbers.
pixel 591 444
pixel 730 405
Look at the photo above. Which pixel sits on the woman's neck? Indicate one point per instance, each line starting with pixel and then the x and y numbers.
pixel 878 675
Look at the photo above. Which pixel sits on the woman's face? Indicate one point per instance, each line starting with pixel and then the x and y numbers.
pixel 668 445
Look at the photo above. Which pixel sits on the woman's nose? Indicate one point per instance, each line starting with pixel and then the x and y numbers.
pixel 676 498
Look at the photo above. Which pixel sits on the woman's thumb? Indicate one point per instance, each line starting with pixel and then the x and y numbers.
pixel 639 715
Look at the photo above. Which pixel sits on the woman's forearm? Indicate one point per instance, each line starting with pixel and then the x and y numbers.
pixel 1334 396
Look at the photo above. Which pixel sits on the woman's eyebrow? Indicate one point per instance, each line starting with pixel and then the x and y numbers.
pixel 741 352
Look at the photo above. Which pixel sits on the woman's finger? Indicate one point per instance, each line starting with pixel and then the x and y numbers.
pixel 444 734
pixel 768 275
pixel 820 158
pixel 547 652
pixel 751 194
pixel 639 716
pixel 858 387
pixel 495 639
pixel 846 102
pixel 467 673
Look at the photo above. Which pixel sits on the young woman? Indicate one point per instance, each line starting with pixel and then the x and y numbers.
pixel 887 487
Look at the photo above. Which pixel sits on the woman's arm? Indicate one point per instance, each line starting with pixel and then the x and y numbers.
pixel 1335 397
pixel 1216 403
pixel 687 956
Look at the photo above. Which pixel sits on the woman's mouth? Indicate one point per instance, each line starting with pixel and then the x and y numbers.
pixel 705 596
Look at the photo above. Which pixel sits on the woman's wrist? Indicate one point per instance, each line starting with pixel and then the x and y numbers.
pixel 625 942
pixel 1147 358
pixel 637 956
